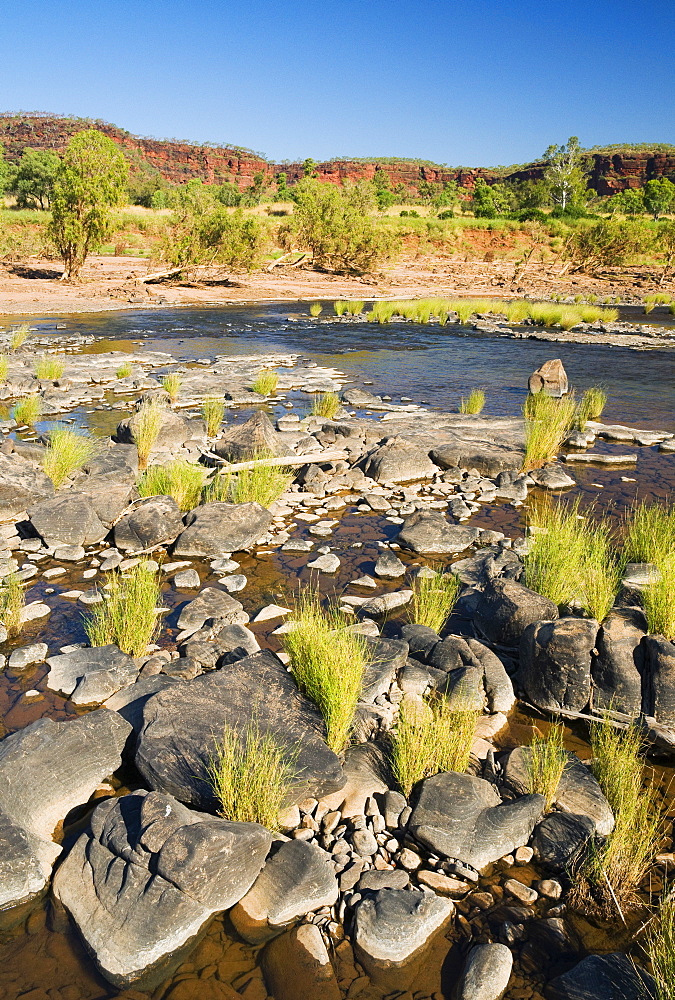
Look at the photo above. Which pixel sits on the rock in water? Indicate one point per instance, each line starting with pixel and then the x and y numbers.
pixel 659 695
pixel 429 533
pixel 486 974
pixel 91 676
pixel 506 608
pixel 21 485
pixel 616 670
pixel 555 663
pixel 602 977
pixel 68 519
pixel 147 876
pixel 257 435
pixel 551 378
pixel 159 520
pixel 461 816
pixel 173 433
pixel 219 527
pixel 297 965
pixel 399 461
pixel 180 725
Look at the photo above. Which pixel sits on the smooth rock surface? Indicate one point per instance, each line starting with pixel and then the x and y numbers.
pixel 429 533
pixel 220 527
pixel 486 974
pixel 68 518
pixel 148 524
pixel 297 966
pixel 555 663
pixel 91 675
pixel 506 608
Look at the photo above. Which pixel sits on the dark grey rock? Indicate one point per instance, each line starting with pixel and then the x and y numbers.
pixel 389 565
pixel 399 461
pixel 486 974
pixel 552 477
pixel 659 688
pixel 506 608
pixel 181 724
pixel 374 880
pixel 129 701
pixel 487 458
pixel 460 816
pixel 174 432
pixel 392 926
pixel 219 527
pixel 429 533
pixel 555 663
pixel 602 977
pixel 91 676
pixel 154 522
pixel 421 640
pixel 386 657
pixel 69 519
pixel 109 495
pixel 496 681
pixel 22 485
pixel 560 840
pixel 616 670
pixel 143 881
pixel 211 604
pixel 394 804
pixel 256 435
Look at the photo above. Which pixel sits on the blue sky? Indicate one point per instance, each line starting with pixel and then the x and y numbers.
pixel 478 82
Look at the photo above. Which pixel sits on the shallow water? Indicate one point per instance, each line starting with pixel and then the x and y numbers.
pixel 40 955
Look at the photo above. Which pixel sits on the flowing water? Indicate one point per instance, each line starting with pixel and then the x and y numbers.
pixel 40 955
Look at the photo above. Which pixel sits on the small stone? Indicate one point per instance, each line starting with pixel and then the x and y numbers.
pixel 35 610
pixel 271 611
pixel 524 855
pixel 224 565
pixel 69 553
pixel 51 574
pixel 443 885
pixel 233 584
pixel 91 597
pixel 520 891
pixel 325 564
pixel 364 843
pixel 28 655
pixel 409 860
pixel 187 579
pixel 549 888
pixel 89 574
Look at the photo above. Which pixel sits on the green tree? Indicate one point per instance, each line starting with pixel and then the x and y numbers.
pixel 5 171
pixel 228 194
pixel 334 224
pixel 628 202
pixel 91 179
pixel 489 200
pixel 309 167
pixel 606 244
pixel 529 194
pixel 659 196
pixel 448 196
pixel 283 190
pixel 565 174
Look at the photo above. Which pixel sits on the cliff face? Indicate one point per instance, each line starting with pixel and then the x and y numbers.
pixel 177 162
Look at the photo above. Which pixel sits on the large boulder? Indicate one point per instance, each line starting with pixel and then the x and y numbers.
pixel 181 725
pixel 427 532
pixel 506 608
pixel 555 663
pixel 67 519
pixel 487 457
pixel 254 437
pixel 219 527
pixel 551 379
pixel 154 522
pixel 91 676
pixel 460 816
pixel 22 484
pixel 144 879
pixel 560 840
pixel 174 432
pixel 486 974
pixel 46 770
pixel 399 461
pixel 658 698
pixel 616 671
pixel 602 977
pixel 297 965
pixel 109 494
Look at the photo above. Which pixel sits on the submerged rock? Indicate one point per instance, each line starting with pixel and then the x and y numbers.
pixel 602 977
pixel 219 527
pixel 297 965
pixel 659 688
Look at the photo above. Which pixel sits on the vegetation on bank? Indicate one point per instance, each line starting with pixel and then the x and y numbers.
pixel 182 480
pixel 516 311
pixel 548 421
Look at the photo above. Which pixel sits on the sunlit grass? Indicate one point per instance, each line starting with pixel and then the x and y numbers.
pixel 514 311
pixel 12 600
pixel 261 484
pixel 547 423
pixel 326 404
pixel 591 406
pixel 546 763
pixel 171 385
pixel 127 616
pixel 433 599
pixel 649 532
pixel 124 371
pixel 428 739
pixel 4 367
pixel 473 403
pixel 67 451
pixel 266 382
pixel 147 425
pixel 180 479
pixel 27 411
pixel 48 369
pixel 661 950
pixel 18 336
pixel 659 601
pixel 213 411
pixel 315 309
pixel 340 307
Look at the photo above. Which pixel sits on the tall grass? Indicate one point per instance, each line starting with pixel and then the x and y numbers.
pixel 171 385
pixel 180 479
pixel 326 404
pixel 213 411
pixel 17 337
pixel 124 371
pixel 514 311
pixel 592 403
pixel 127 616
pixel 48 369
pixel 659 601
pixel 315 309
pixel 147 426
pixel 266 382
pixel 649 533
pixel 328 664
pixel 340 307
pixel 433 599
pixel 547 763
pixel 4 367
pixel 426 742
pixel 28 410
pixel 661 950
pixel 547 423
pixel 66 452
pixel 251 774
pixel 12 600
pixel 261 484
pixel 355 308
pixel 474 402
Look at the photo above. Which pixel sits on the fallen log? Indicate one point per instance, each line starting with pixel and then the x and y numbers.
pixel 155 276
pixel 314 458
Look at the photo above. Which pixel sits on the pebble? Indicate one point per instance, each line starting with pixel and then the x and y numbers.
pixel 444 885
pixel 364 843
pixel 409 860
pixel 69 553
pixel 35 610
pixel 27 655
pixel 89 574
pixel 549 888
pixel 90 597
pixel 524 855
pixel 521 892
pixel 325 564
pixel 233 584
pixel 187 579
pixel 271 611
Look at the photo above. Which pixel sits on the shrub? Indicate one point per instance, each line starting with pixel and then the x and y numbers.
pixel 429 739
pixel 547 424
pixel 171 384
pixel 266 382
pixel 251 774
pixel 659 601
pixel 328 664
pixel 128 614
pixel 213 411
pixel 182 480
pixel 124 371
pixel 546 763
pixel 18 336
pixel 433 599
pixel 474 403
pixel 66 452
pixel 261 484
pixel 27 411
pixel 12 600
pixel 326 404
pixel 315 309
pixel 48 368
pixel 593 402
pixel 147 426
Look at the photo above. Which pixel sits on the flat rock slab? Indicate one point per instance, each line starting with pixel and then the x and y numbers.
pixel 212 604
pixel 181 724
pixel 92 675
pixel 22 484
pixel 394 925
pixel 397 461
pixel 430 533
pixel 68 518
pixel 460 816
pixel 146 877
pixel 219 527
pixel 598 458
pixel 152 523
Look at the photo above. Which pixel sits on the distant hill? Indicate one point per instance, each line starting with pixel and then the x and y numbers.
pixel 612 168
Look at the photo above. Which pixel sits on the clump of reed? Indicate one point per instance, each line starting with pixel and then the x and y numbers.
pixel 326 404
pixel 547 762
pixel 355 308
pixel 147 425
pixel 592 403
pixel 434 597
pixel 171 384
pixel 213 411
pixel 429 739
pixel 27 410
pixel 18 336
pixel 340 307
pixel 656 299
pixel 473 403
pixel 251 774
pixel 547 423
pixel 661 950
pixel 266 382
pixel 67 451
pixel 4 367
pixel 315 309
pixel 128 614
pixel 658 601
pixel 12 600
pixel 328 664
pixel 649 533
pixel 124 371
pixel 261 484
pixel 48 369
pixel 180 479
pixel 514 311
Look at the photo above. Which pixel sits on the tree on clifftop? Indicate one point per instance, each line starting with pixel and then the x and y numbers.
pixel 33 180
pixel 565 174
pixel 91 179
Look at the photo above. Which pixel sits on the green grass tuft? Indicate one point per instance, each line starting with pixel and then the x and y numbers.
pixel 261 484
pixel 265 383
pixel 66 452
pixel 18 336
pixel 180 479
pixel 428 739
pixel 659 601
pixel 147 426
pixel 12 600
pixel 326 404
pixel 124 371
pixel 48 369
pixel 547 762
pixel 593 402
pixel 4 367
pixel 27 411
pixel 661 950
pixel 474 403
pixel 340 307
pixel 213 411
pixel 547 423
pixel 355 308
pixel 171 384
pixel 649 533
pixel 433 599
pixel 127 616
pixel 315 309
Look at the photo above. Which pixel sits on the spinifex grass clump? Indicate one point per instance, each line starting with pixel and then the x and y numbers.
pixel 48 369
pixel 213 411
pixel 27 411
pixel 17 338
pixel 355 308
pixel 147 426
pixel 266 382
pixel 182 480
pixel 315 309
pixel 4 367
pixel 649 533
pixel 66 452
pixel 591 406
pixel 547 424
pixel 515 311
pixel 261 484
pixel 600 576
pixel 326 404
pixel 127 616
pixel 547 763
pixel 340 307
pixel 251 774
pixel 171 384
pixel 124 371
pixel 473 403
pixel 661 950
pixel 659 601
pixel 328 664
pixel 433 599
pixel 428 739
pixel 615 869
pixel 12 600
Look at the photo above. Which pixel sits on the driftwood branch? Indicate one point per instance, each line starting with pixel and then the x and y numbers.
pixel 314 458
pixel 284 258
pixel 148 279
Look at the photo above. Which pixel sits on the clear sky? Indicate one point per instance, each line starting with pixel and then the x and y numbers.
pixel 463 82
